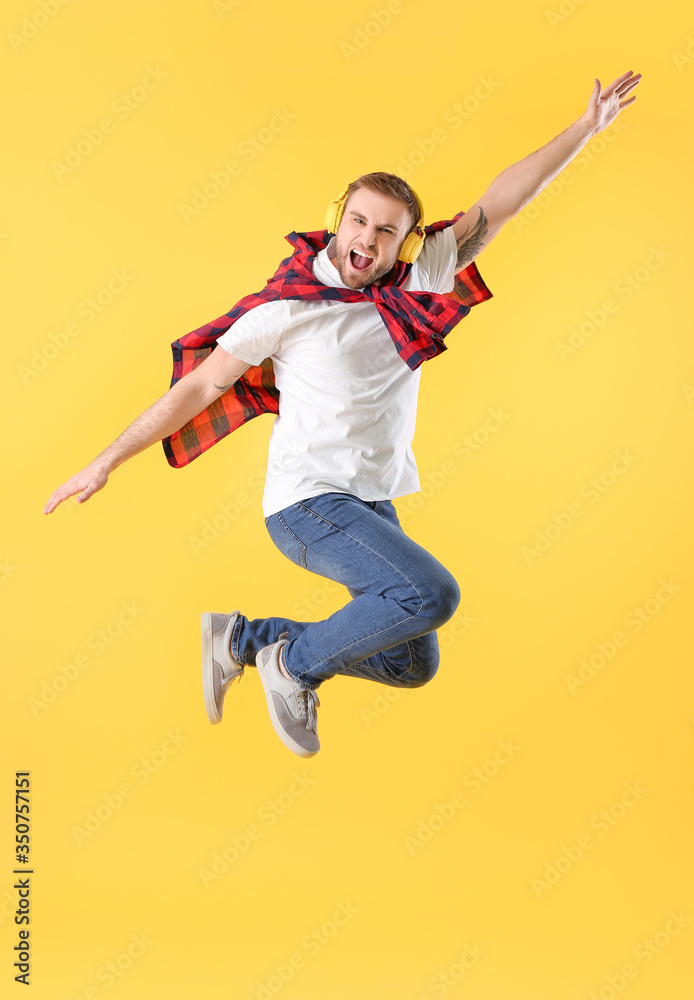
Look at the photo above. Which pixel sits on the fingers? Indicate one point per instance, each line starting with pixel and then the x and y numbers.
pixel 69 489
pixel 623 84
pixel 617 91
pixel 611 87
pixel 55 499
pixel 625 89
pixel 624 76
pixel 628 85
pixel 87 492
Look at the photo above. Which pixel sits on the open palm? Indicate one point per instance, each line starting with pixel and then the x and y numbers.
pixel 605 105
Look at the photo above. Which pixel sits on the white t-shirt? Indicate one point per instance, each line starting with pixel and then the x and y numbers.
pixel 348 402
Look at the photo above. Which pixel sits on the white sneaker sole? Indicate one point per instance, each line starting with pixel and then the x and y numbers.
pixel 208 669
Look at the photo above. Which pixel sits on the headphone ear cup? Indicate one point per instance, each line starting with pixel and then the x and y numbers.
pixel 411 248
pixel 331 223
pixel 413 242
pixel 334 213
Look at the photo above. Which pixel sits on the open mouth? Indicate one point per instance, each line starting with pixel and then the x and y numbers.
pixel 359 260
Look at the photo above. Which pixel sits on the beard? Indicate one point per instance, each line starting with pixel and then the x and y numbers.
pixel 353 278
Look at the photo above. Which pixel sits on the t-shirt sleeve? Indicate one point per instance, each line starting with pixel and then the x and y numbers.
pixel 433 271
pixel 256 334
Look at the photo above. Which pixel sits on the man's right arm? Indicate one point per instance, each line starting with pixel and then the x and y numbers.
pixel 184 400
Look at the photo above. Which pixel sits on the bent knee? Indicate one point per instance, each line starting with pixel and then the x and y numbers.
pixel 441 602
pixel 423 673
pixel 425 662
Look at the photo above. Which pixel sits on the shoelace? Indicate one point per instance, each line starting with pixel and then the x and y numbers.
pixel 307 701
pixel 228 681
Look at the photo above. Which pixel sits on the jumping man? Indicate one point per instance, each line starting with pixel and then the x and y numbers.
pixel 339 336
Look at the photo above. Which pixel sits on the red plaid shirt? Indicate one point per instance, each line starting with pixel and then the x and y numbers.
pixel 417 321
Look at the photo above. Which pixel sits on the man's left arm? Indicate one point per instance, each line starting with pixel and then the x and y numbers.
pixel 516 186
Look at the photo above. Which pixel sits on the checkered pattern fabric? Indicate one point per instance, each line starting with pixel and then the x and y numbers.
pixel 417 322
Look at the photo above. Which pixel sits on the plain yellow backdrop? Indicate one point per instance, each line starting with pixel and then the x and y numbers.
pixel 522 826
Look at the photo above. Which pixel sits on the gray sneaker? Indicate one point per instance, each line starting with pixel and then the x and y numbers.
pixel 292 707
pixel 219 669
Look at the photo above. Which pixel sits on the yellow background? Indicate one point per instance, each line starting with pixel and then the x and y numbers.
pixel 388 770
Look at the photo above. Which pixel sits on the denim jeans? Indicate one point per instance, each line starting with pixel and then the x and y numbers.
pixel 400 595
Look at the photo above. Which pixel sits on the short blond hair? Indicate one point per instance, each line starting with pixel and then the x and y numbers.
pixel 390 185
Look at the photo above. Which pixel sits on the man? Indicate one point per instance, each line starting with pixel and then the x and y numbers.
pixel 340 448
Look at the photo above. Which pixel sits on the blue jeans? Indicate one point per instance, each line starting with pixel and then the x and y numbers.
pixel 400 595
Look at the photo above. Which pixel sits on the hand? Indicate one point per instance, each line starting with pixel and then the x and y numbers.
pixel 87 482
pixel 605 105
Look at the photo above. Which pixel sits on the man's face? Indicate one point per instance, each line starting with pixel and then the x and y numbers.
pixel 368 239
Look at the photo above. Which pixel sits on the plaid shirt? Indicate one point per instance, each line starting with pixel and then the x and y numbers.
pixel 417 321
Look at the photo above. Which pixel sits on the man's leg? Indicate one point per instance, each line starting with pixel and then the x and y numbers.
pixel 401 595
pixel 422 652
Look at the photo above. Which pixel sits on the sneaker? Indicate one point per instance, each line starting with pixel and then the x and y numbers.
pixel 219 669
pixel 292 707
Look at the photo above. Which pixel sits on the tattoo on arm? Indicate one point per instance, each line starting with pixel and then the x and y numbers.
pixel 471 241
pixel 223 388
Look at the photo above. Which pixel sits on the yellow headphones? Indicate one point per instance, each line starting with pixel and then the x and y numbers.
pixel 412 244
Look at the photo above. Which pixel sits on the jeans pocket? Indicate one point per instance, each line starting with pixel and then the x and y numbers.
pixel 286 541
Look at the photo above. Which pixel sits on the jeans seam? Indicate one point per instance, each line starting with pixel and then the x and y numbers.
pixel 378 673
pixel 409 669
pixel 402 680
pixel 379 556
pixel 234 643
pixel 295 537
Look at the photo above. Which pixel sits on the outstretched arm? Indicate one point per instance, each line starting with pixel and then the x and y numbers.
pixel 184 400
pixel 516 186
